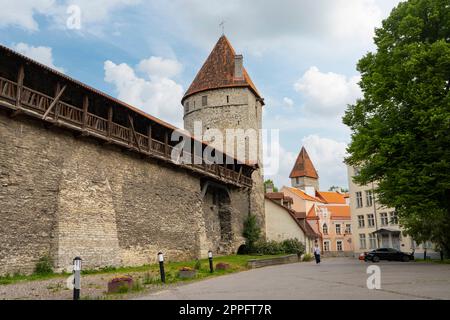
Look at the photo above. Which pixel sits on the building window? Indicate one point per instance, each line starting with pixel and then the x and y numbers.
pixel 339 245
pixel 372 241
pixel 297 180
pixel 326 246
pixel 370 220
pixel 186 107
pixel 361 223
pixel 348 229
pixel 393 217
pixel 369 198
pixel 338 228
pixel 384 219
pixel 359 202
pixel 324 213
pixel 362 241
pixel 204 101
pixel 228 99
pixel 325 228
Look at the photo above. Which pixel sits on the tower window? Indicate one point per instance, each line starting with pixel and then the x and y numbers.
pixel 186 107
pixel 228 99
pixel 204 101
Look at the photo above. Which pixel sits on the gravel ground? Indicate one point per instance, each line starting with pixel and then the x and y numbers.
pixel 92 287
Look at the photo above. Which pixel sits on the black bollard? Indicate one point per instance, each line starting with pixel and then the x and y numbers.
pixel 77 278
pixel 210 258
pixel 161 267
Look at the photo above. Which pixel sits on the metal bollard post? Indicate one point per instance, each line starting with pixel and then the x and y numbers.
pixel 161 267
pixel 210 258
pixel 77 278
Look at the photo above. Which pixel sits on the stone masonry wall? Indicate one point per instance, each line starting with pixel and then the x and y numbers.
pixel 231 108
pixel 64 196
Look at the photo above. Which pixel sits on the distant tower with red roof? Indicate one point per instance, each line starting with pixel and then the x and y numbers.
pixel 222 96
pixel 303 175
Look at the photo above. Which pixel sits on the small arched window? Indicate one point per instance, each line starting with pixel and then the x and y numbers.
pixel 325 228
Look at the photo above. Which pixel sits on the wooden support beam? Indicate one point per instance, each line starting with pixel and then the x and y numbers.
pixel 57 90
pixel 130 119
pixel 85 111
pixel 110 118
pixel 149 135
pixel 166 143
pixel 240 173
pixel 55 101
pixel 20 77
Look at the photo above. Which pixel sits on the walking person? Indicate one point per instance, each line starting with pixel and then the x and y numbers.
pixel 317 253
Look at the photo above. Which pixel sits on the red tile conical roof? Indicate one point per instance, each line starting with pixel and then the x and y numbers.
pixel 303 166
pixel 218 71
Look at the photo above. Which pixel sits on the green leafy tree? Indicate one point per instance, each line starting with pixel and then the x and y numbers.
pixel 252 232
pixel 401 127
pixel 270 182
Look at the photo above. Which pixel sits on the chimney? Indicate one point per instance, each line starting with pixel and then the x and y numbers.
pixel 269 187
pixel 238 67
pixel 310 191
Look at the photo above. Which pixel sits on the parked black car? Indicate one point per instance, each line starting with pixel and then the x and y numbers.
pixel 389 254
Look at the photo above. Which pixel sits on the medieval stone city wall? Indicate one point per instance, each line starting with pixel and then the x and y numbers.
pixel 65 196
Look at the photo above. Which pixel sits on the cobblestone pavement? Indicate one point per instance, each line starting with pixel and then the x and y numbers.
pixel 334 278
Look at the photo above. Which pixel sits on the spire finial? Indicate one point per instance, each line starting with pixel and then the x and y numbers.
pixel 222 24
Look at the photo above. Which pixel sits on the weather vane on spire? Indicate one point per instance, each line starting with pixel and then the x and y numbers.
pixel 222 24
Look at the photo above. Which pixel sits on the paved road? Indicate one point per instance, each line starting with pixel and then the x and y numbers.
pixel 334 278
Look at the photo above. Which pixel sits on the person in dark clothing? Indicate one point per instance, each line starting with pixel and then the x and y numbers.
pixel 317 254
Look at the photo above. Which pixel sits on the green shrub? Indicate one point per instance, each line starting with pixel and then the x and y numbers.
pixel 123 289
pixel 307 257
pixel 268 247
pixel 289 246
pixel 251 233
pixel 293 246
pixel 137 286
pixel 198 265
pixel 44 266
pixel 148 278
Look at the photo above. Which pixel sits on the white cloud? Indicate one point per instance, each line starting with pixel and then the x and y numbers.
pixel 327 94
pixel 157 95
pixel 23 14
pixel 41 54
pixel 93 13
pixel 286 160
pixel 288 102
pixel 327 156
pixel 338 23
pixel 159 67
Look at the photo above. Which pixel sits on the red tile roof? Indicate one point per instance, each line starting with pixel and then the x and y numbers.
pixel 302 194
pixel 339 212
pixel 335 212
pixel 279 196
pixel 312 213
pixel 303 166
pixel 218 71
pixel 331 197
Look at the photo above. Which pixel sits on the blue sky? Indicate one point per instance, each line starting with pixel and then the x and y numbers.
pixel 301 55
